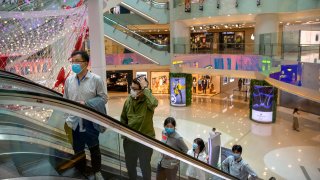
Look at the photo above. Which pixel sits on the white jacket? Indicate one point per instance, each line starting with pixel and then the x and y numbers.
pixel 193 171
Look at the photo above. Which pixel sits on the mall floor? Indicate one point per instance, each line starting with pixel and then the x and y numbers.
pixel 270 149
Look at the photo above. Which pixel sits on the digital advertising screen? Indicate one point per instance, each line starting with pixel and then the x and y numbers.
pixel 262 103
pixel 178 91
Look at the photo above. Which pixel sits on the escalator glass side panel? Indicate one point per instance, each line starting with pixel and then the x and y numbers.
pixel 134 34
pixel 24 85
pixel 119 144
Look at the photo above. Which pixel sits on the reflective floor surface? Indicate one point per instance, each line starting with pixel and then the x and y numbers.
pixel 270 149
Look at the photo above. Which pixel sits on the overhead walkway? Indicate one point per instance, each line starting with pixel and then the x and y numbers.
pixel 34 143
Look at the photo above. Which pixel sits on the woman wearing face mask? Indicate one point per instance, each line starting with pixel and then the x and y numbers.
pixel 198 152
pixel 168 166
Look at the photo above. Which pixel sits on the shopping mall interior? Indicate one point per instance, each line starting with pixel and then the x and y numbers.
pixel 248 68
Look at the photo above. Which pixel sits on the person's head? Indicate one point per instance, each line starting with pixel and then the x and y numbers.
pixel 80 61
pixel 214 129
pixel 295 110
pixel 237 151
pixel 169 125
pixel 135 88
pixel 198 145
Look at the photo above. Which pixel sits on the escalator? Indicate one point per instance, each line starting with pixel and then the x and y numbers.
pixel 135 42
pixel 34 143
pixel 157 12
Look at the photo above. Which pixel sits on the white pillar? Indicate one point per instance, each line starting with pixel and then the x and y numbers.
pixel 96 36
pixel 266 23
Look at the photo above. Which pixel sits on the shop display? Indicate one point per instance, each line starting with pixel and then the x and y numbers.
pixel 262 109
pixel 159 82
pixel 178 91
pixel 205 84
pixel 308 38
pixel 225 80
pixel 118 81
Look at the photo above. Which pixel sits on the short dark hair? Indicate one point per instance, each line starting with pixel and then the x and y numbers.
pixel 170 120
pixel 135 80
pixel 237 148
pixel 295 110
pixel 200 143
pixel 213 129
pixel 84 55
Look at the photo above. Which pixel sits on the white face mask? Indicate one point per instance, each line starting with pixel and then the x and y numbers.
pixel 134 93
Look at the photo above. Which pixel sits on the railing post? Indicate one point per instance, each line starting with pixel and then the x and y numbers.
pixel 299 53
pixel 271 45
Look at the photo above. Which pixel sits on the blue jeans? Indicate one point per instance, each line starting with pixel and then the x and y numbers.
pixel 90 138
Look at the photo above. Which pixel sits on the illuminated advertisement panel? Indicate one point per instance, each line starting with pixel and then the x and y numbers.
pixel 262 103
pixel 178 91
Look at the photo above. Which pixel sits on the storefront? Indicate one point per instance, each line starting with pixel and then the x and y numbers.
pixel 231 41
pixel 119 81
pixel 160 82
pixel 201 42
pixel 205 84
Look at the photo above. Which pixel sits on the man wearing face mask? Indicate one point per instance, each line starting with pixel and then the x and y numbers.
pixel 236 166
pixel 137 113
pixel 84 86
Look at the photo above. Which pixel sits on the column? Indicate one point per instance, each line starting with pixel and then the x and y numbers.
pixel 96 37
pixel 266 32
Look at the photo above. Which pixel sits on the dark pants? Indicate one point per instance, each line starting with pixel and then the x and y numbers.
pixel 194 89
pixel 165 173
pixel 134 151
pixel 90 138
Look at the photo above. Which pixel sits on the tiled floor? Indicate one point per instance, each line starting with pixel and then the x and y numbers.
pixel 270 149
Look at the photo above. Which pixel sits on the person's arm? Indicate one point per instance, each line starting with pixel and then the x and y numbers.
pixel 182 145
pixel 250 171
pixel 225 165
pixel 101 90
pixel 123 117
pixel 152 102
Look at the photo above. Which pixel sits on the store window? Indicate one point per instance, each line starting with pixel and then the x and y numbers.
pixel 160 82
pixel 205 84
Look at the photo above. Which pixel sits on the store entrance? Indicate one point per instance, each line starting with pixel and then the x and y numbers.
pixel 205 84
pixel 119 81
pixel 231 42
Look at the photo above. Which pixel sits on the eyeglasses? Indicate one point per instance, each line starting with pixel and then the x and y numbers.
pixel 74 62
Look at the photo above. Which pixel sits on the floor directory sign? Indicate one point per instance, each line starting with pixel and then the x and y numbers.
pixel 262 102
pixel 178 91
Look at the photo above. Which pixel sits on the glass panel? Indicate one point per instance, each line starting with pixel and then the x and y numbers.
pixel 158 4
pixel 24 85
pixel 146 40
pixel 36 141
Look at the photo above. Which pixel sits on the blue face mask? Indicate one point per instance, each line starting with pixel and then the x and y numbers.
pixel 236 156
pixel 76 68
pixel 194 146
pixel 169 130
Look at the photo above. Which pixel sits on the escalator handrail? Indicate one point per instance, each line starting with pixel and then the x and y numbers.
pixel 10 74
pixel 90 114
pixel 32 84
pixel 157 4
pixel 155 44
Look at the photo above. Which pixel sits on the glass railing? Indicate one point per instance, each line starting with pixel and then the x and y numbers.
pixel 34 123
pixel 133 33
pixel 31 5
pixel 303 52
pixel 158 4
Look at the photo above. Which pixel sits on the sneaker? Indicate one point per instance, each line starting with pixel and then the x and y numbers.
pixel 98 176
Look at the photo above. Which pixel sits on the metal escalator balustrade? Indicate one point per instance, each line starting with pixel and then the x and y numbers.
pixel 110 140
